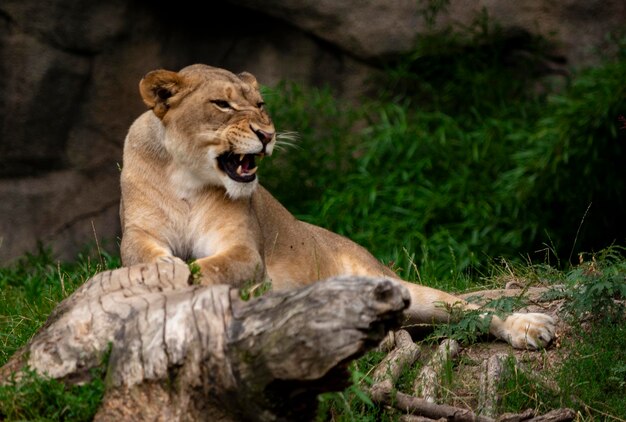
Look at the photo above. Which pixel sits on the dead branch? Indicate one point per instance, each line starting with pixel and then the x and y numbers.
pixel 516 417
pixel 390 368
pixel 427 383
pixel 556 415
pixel 490 376
pixel 421 407
pixel 413 418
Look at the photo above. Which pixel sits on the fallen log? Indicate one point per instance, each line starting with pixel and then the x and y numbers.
pixel 185 352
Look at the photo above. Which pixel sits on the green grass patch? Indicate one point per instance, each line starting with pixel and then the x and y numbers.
pixel 36 398
pixel 593 377
pixel 31 288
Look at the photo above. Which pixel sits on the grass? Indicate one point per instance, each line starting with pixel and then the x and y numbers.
pixel 29 290
pixel 35 398
pixel 591 378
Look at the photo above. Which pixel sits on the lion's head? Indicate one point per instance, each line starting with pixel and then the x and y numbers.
pixel 215 124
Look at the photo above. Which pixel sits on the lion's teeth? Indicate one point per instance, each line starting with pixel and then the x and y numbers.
pixel 239 171
pixel 242 156
pixel 252 171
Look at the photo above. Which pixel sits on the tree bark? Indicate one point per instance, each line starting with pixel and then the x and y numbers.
pixel 185 352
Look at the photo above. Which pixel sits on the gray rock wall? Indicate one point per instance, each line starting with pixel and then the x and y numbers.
pixel 69 71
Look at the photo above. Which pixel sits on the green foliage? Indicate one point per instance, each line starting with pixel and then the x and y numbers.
pixel 570 164
pixel 320 147
pixel 37 398
pixel 29 291
pixel 592 376
pixel 467 327
pixel 597 288
pixel 460 158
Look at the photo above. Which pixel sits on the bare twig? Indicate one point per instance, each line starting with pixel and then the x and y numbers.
pixel 421 407
pixel 413 418
pixel 516 417
pixel 556 415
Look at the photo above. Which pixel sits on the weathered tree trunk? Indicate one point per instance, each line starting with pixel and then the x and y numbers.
pixel 188 352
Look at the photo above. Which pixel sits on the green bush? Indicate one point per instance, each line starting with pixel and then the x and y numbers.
pixel 570 169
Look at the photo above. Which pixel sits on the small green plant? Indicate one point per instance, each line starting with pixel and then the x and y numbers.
pixel 467 326
pixel 597 287
pixel 251 289
pixel 196 272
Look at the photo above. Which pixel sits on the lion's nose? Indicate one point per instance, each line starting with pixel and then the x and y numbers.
pixel 264 137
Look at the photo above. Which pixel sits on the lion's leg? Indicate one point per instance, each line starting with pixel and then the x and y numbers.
pixel 235 266
pixel 138 246
pixel 521 330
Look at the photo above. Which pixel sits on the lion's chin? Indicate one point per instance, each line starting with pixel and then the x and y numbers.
pixel 237 190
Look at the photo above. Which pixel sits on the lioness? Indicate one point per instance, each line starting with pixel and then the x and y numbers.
pixel 190 191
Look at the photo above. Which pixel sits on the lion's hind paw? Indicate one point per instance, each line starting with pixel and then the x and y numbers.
pixel 529 330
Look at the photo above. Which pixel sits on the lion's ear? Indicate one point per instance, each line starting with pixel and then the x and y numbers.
pixel 157 87
pixel 248 78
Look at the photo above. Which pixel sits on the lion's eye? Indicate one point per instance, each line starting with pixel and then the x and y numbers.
pixel 222 104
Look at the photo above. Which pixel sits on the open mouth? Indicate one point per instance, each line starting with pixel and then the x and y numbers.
pixel 239 167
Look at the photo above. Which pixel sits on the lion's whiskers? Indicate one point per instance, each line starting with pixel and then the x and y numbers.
pixel 287 139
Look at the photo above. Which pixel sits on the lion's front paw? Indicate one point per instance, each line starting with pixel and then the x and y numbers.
pixel 528 331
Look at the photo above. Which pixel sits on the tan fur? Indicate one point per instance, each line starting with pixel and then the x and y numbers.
pixel 178 203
